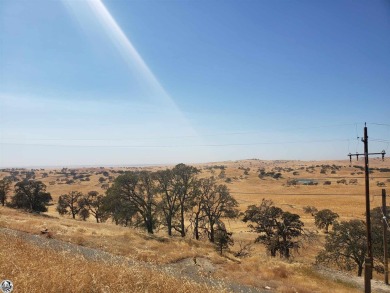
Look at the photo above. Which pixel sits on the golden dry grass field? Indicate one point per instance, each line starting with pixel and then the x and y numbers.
pixel 242 178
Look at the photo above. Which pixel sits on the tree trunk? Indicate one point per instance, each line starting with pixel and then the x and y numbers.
pixel 182 228
pixel 169 224
pixel 148 220
pixel 286 252
pixel 196 226
pixel 149 226
pixel 360 270
pixel 212 232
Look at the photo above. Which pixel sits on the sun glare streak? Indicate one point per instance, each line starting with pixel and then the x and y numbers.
pixel 130 54
pixel 124 45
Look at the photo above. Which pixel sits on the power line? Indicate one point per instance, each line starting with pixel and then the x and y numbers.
pixel 380 124
pixel 295 194
pixel 379 140
pixel 357 137
pixel 140 137
pixel 173 146
pixel 180 136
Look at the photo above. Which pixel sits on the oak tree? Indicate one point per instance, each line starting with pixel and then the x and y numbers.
pixel 169 190
pixel 138 188
pixel 279 231
pixel 5 187
pixel 93 203
pixel 217 203
pixel 185 181
pixel 31 195
pixel 324 218
pixel 222 238
pixel 70 203
pixel 345 246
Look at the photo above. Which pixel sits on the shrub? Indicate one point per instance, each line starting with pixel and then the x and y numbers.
pixel 353 181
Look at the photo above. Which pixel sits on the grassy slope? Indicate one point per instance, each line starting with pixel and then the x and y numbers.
pixel 35 269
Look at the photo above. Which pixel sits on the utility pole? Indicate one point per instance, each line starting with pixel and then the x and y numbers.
pixel 368 263
pixel 385 257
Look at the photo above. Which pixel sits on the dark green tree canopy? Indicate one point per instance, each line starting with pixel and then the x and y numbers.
pixel 325 218
pixel 139 191
pixel 169 191
pixel 377 221
pixel 217 203
pixel 92 204
pixel 120 209
pixel 185 183
pixel 70 203
pixel 345 246
pixel 31 195
pixel 5 187
pixel 279 231
pixel 223 238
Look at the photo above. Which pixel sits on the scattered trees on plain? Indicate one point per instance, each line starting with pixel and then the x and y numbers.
pixel 166 197
pixel 150 199
pixel 175 197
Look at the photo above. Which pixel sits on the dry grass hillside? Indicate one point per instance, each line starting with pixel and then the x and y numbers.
pixel 292 185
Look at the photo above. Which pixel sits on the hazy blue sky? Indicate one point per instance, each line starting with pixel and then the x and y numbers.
pixel 144 82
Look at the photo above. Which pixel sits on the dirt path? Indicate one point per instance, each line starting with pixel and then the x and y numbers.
pixel 376 286
pixel 199 272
